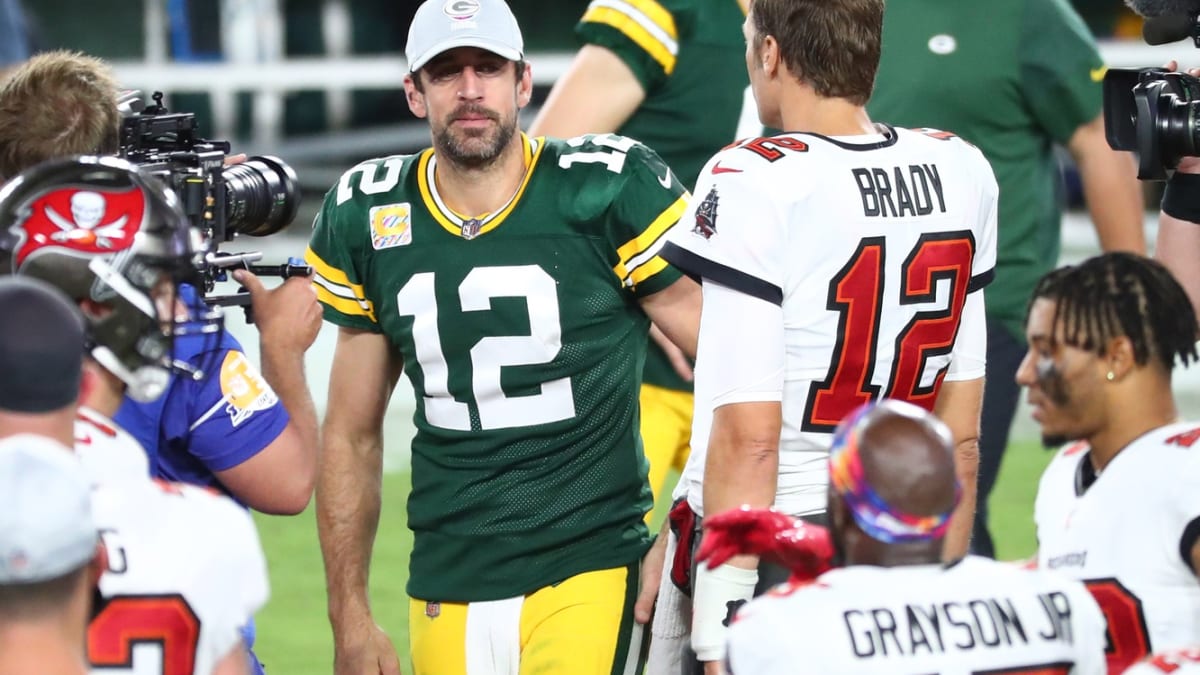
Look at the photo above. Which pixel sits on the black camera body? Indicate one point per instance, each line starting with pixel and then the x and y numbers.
pixel 257 197
pixel 1152 113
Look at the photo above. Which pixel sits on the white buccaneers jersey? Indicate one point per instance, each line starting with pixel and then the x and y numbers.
pixel 1173 662
pixel 874 250
pixel 109 453
pixel 1128 534
pixel 976 616
pixel 185 568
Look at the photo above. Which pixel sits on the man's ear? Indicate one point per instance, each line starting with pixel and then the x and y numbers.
pixel 88 381
pixel 524 86
pixel 98 565
pixel 768 55
pixel 416 100
pixel 1119 358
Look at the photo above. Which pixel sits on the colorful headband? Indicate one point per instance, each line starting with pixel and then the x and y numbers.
pixel 874 516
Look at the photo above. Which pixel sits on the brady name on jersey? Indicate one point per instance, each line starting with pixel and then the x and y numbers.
pixel 875 248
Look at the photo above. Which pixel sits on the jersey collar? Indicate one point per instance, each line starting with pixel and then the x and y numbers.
pixel 457 224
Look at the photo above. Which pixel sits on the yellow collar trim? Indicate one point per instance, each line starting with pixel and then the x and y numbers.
pixel 451 221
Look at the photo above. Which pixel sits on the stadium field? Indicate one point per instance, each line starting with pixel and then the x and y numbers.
pixel 294 637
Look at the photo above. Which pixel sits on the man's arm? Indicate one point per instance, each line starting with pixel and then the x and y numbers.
pixel 236 662
pixel 675 310
pixel 958 405
pixel 595 96
pixel 1110 188
pixel 279 478
pixel 364 372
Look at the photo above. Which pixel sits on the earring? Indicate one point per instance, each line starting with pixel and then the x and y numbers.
pixel 1111 376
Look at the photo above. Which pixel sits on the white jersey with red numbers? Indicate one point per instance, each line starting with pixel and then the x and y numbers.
pixel 870 253
pixel 1128 534
pixel 976 616
pixel 185 568
pixel 1172 662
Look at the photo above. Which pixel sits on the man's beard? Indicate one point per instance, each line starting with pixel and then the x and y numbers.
pixel 1054 441
pixel 472 148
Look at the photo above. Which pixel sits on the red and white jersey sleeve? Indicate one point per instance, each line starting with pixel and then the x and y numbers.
pixel 1172 662
pixel 186 572
pixel 1128 536
pixel 975 616
pixel 873 249
pixel 109 453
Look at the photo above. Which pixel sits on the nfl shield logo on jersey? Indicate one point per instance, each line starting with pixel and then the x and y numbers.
pixel 391 226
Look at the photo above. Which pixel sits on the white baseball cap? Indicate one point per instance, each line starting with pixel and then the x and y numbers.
pixel 46 526
pixel 442 25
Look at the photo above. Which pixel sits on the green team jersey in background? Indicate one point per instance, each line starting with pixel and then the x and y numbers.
pixel 690 58
pixel 1012 77
pixel 522 335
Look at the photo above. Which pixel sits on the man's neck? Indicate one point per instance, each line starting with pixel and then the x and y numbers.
pixel 105 398
pixel 476 191
pixel 803 110
pixel 47 652
pixel 1141 410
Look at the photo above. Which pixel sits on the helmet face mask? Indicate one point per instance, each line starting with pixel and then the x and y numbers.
pixel 117 243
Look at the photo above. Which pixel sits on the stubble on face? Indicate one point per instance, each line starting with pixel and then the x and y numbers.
pixel 474 148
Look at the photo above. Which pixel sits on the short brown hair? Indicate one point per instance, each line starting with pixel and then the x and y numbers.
pixel 831 45
pixel 57 104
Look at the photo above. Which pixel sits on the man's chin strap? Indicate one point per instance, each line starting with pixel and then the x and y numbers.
pixel 143 385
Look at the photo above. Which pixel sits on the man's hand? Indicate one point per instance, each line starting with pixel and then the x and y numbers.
pixel 804 549
pixel 288 316
pixel 1186 164
pixel 652 571
pixel 367 650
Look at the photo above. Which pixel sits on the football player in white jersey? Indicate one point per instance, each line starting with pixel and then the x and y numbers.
pixel 841 262
pixel 185 570
pixel 894 606
pixel 1119 508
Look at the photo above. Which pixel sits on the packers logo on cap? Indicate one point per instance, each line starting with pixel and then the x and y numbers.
pixel 461 10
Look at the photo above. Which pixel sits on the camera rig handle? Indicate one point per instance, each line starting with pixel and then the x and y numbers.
pixel 220 264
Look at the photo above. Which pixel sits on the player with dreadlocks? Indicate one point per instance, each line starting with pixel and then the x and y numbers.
pixel 1118 507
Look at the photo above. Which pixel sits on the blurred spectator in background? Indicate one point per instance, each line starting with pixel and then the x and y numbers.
pixel 1014 78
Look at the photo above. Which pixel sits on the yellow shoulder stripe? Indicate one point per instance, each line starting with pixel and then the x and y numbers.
pixel 335 289
pixel 647 270
pixel 631 249
pixel 659 43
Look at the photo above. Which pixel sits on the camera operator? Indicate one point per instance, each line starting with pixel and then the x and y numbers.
pixel 250 435
pixel 62 103
pixel 1178 243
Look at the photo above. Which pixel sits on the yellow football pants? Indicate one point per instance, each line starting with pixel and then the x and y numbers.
pixel 666 433
pixel 581 626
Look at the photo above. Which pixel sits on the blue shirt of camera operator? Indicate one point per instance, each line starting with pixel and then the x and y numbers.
pixel 200 427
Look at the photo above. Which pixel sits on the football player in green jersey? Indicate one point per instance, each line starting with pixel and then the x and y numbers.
pixel 672 74
pixel 513 279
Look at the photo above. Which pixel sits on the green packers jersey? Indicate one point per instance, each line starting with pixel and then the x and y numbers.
pixel 523 339
pixel 690 58
pixel 1013 78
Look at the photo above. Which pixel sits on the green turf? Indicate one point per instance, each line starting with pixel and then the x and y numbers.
pixel 294 637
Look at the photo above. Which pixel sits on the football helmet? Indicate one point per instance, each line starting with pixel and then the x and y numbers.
pixel 117 242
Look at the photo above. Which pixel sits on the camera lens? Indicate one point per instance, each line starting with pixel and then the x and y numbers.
pixel 261 196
